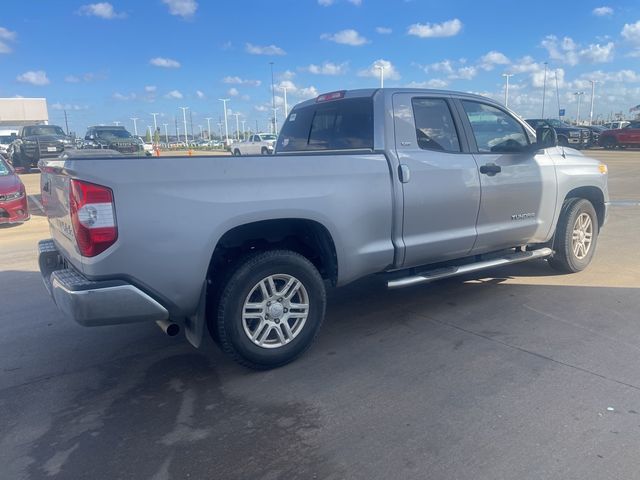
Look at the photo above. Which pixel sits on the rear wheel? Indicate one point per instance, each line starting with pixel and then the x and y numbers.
pixel 609 143
pixel 576 236
pixel 270 309
pixel 236 153
pixel 264 151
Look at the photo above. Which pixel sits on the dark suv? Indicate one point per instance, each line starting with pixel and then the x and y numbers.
pixel 568 135
pixel 34 142
pixel 113 138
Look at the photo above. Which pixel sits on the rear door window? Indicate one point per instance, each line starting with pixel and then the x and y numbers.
pixel 435 129
pixel 345 124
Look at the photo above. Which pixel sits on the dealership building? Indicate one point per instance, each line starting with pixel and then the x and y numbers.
pixel 16 112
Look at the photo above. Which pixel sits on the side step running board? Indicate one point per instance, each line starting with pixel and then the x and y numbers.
pixel 440 273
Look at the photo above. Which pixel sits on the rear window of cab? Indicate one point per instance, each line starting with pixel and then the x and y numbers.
pixel 345 124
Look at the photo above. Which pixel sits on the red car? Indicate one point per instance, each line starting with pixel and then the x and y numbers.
pixel 13 196
pixel 628 136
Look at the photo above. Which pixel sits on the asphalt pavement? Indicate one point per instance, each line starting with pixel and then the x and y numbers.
pixel 514 373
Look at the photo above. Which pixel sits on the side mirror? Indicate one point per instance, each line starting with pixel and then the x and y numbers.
pixel 546 137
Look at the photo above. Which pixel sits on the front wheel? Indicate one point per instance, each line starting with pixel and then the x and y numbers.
pixel 236 153
pixel 609 143
pixel 270 309
pixel 264 151
pixel 576 236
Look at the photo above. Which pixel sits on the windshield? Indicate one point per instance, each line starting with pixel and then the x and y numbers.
pixel 43 130
pixel 113 133
pixel 4 169
pixel 6 139
pixel 557 123
pixel 267 137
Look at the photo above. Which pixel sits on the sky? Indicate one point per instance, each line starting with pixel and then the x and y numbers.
pixel 107 62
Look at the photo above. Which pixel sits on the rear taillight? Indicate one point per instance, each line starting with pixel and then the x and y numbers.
pixel 93 216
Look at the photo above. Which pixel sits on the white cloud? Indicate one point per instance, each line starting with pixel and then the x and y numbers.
pixel 123 97
pixel 449 28
pixel 390 71
pixel 200 94
pixel 182 8
pixel 569 52
pixel 233 92
pixel 445 66
pixel 174 95
pixel 384 30
pixel 327 68
pixel 264 49
pixel 489 60
pixel 68 106
pixel 328 3
pixel 164 62
pixel 602 11
pixel 6 36
pixel 287 75
pixel 71 79
pixel 150 88
pixel 34 77
pixel 464 73
pixel 345 37
pixel 102 10
pixel 432 83
pixel 631 32
pixel 241 81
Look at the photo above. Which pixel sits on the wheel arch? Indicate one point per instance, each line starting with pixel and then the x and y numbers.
pixel 595 196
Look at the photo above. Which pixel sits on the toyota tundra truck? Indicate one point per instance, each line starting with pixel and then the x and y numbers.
pixel 412 185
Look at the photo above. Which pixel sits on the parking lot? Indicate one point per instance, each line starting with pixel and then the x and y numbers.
pixel 513 373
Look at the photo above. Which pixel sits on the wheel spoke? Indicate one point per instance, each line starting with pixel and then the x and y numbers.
pixel 286 330
pixel 258 330
pixel 264 335
pixel 293 289
pixel 280 335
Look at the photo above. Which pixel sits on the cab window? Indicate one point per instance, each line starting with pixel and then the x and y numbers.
pixel 435 129
pixel 495 131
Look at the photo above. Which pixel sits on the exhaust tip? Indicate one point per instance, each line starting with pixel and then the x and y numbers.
pixel 169 328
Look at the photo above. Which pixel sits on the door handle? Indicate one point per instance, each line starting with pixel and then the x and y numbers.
pixel 404 173
pixel 490 169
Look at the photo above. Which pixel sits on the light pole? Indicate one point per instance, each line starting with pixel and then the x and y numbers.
pixel 150 133
pixel 244 132
pixel 593 91
pixel 557 91
pixel 579 96
pixel 381 67
pixel 220 129
pixel 544 87
pixel 135 126
pixel 237 115
pixel 286 108
pixel 208 119
pixel 155 126
pixel 166 133
pixel 226 125
pixel 184 118
pixel 273 100
pixel 201 132
pixel 275 120
pixel 116 123
pixel 507 76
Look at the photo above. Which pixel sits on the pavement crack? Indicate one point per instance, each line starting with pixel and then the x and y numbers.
pixel 527 351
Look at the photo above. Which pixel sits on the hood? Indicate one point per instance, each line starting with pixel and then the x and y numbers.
pixel 47 138
pixel 9 183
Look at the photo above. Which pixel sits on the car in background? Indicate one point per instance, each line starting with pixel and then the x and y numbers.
pixel 113 138
pixel 628 136
pixel 616 125
pixel 595 132
pixel 13 196
pixel 6 137
pixel 568 135
pixel 34 142
pixel 258 144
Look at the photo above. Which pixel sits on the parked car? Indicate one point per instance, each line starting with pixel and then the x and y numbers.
pixel 595 132
pixel 413 185
pixel 568 135
pixel 258 144
pixel 628 136
pixel 6 137
pixel 113 138
pixel 616 125
pixel 13 196
pixel 34 142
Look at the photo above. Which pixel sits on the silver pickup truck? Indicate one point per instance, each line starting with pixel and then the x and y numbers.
pixel 413 185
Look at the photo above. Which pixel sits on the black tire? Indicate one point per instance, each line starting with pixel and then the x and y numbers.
pixel 609 143
pixel 264 151
pixel 563 142
pixel 228 322
pixel 236 153
pixel 565 259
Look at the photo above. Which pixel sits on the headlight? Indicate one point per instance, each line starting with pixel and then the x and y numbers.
pixel 13 195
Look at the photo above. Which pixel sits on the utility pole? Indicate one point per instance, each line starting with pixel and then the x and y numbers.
pixel 166 132
pixel 155 126
pixel 557 92
pixel 381 67
pixel 184 118
pixel 507 76
pixel 237 115
pixel 593 91
pixel 273 99
pixel 226 125
pixel 135 126
pixel 66 121
pixel 579 96
pixel 286 108
pixel 208 119
pixel 544 87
